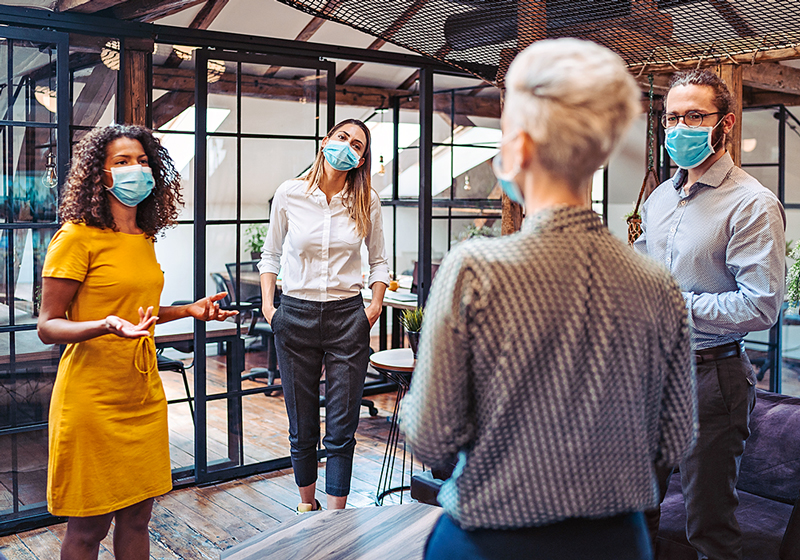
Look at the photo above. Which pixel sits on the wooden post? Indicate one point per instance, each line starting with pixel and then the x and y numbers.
pixel 531 27
pixel 731 74
pixel 135 69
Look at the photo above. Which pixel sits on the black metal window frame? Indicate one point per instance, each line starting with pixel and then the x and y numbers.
pixel 38 23
pixel 31 514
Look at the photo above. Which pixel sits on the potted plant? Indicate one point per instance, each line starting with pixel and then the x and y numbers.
pixel 793 278
pixel 411 320
pixel 255 239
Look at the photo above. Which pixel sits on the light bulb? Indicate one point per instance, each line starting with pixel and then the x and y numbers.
pixel 381 168
pixel 50 177
pixel 467 186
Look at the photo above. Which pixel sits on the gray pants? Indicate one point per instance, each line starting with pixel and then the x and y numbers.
pixel 309 334
pixel 726 396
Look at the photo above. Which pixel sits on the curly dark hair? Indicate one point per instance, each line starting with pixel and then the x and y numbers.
pixel 84 199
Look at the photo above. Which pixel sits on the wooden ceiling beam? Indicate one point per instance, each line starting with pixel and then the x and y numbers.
pixel 151 10
pixel 86 6
pixel 169 106
pixel 92 101
pixel 772 76
pixel 181 80
pixel 754 98
pixel 746 58
pixel 353 67
pixel 207 14
pixel 732 18
pixel 305 34
pixel 202 20
pixel 387 35
pixel 414 77
pixel 311 27
pixel 410 81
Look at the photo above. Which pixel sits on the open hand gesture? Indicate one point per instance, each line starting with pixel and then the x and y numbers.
pixel 207 309
pixel 126 329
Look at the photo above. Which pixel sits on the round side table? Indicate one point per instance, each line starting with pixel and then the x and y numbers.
pixel 397 365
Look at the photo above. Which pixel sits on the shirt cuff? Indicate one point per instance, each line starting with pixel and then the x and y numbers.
pixel 268 265
pixel 379 273
pixel 688 298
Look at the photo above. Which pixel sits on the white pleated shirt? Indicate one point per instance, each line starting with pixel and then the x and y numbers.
pixel 321 244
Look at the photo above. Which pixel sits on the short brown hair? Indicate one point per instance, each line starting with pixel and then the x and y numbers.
pixel 723 100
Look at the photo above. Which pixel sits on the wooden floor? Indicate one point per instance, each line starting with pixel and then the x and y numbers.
pixel 199 522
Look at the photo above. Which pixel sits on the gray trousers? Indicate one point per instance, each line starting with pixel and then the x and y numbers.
pixel 308 335
pixel 726 395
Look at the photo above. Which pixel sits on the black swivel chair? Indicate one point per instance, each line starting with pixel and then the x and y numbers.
pixel 251 298
pixel 177 366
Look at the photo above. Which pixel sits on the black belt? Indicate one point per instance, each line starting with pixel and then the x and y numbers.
pixel 718 352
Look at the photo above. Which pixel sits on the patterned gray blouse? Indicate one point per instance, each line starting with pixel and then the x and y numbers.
pixel 555 364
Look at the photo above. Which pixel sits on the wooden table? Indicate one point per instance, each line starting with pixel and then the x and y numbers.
pixel 398 365
pixel 391 532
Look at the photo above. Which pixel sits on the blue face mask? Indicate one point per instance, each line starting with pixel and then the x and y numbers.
pixel 689 147
pixel 340 155
pixel 132 184
pixel 507 181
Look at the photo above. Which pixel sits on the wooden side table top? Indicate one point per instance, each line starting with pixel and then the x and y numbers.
pixel 397 360
pixel 396 532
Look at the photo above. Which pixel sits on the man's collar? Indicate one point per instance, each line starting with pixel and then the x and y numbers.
pixel 713 177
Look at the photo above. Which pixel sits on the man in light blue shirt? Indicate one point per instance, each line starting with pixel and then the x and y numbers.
pixel 721 234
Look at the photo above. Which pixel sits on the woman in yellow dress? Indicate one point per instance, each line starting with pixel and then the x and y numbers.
pixel 101 285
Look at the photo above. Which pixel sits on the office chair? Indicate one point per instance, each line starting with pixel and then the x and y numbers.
pixel 250 300
pixel 169 364
pixel 415 275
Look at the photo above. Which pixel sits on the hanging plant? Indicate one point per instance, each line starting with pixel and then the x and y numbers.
pixel 634 219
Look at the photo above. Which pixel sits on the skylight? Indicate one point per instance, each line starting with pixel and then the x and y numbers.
pixel 464 157
pixel 181 146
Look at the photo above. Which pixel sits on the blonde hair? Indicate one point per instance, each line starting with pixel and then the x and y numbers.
pixel 576 100
pixel 357 194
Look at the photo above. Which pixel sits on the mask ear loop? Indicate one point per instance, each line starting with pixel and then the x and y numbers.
pixel 712 144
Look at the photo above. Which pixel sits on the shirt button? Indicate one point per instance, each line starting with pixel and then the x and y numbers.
pixel 683 203
pixel 672 229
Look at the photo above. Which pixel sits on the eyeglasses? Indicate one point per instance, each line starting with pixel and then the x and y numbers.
pixel 692 119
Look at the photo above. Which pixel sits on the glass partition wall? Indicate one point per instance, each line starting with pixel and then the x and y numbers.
pixel 238 116
pixel 256 126
pixel 34 143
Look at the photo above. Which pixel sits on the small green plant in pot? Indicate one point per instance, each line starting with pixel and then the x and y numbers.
pixel 411 320
pixel 793 278
pixel 254 241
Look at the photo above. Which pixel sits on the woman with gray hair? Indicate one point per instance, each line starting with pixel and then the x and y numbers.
pixel 554 365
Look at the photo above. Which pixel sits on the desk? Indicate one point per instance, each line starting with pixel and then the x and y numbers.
pixel 394 532
pixel 399 301
pixel 169 334
pixel 397 365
